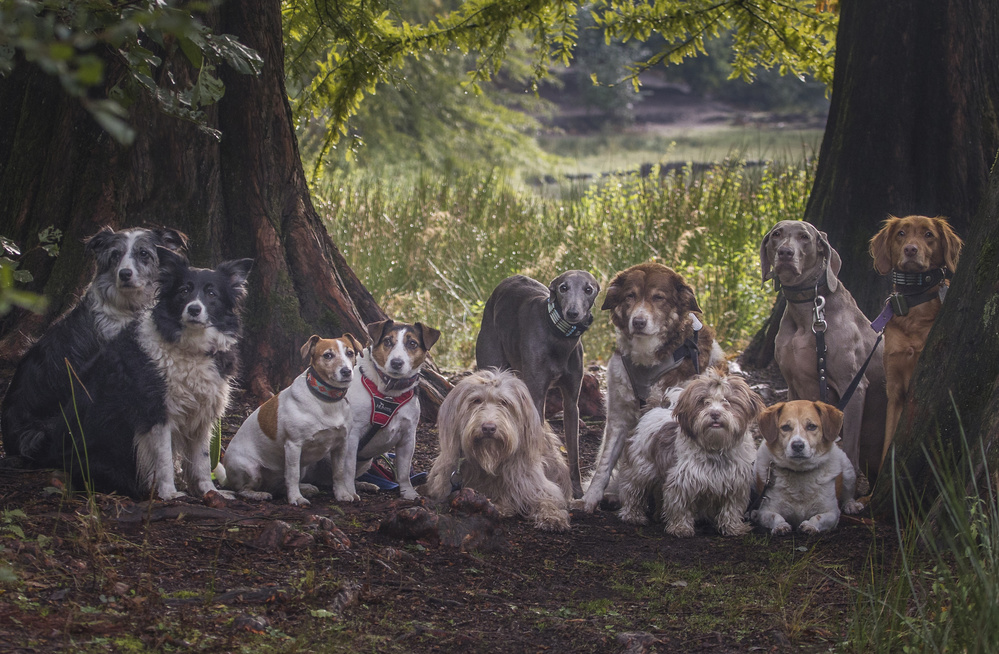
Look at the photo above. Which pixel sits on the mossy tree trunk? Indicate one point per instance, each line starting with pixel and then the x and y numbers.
pixel 243 196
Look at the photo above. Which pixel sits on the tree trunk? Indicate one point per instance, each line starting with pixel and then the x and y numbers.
pixel 959 368
pixel 245 196
pixel 913 124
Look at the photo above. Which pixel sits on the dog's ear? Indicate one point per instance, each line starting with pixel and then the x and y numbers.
pixel 952 243
pixel 614 294
pixel 880 245
pixel 170 261
pixel 766 265
pixel 553 288
pixel 376 330
pixel 99 241
pixel 236 271
pixel 833 262
pixel 171 238
pixel 832 421
pixel 356 344
pixel 428 335
pixel 687 298
pixel 308 347
pixel 768 420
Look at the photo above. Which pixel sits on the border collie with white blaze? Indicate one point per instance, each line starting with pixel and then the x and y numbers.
pixel 154 393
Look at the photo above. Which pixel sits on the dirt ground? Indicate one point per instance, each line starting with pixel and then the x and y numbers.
pixel 115 575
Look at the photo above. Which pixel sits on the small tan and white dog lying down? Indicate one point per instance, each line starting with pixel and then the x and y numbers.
pixel 492 440
pixel 695 456
pixel 803 475
pixel 295 428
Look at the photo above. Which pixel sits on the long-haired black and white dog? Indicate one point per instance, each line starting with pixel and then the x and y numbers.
pixel 152 395
pixel 124 284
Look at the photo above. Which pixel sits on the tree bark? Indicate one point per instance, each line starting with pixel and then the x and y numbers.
pixel 913 125
pixel 245 196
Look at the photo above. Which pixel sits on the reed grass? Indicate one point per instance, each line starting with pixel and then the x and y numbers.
pixel 939 594
pixel 433 248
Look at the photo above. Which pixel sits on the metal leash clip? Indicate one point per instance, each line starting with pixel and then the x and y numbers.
pixel 819 315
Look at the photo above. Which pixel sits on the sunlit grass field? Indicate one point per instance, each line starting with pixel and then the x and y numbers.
pixel 432 248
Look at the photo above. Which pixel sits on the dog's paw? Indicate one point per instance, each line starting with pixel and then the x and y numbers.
pixel 256 496
pixel 308 490
pixel 344 496
pixel 558 521
pixel 227 494
pixel 409 494
pixel 633 516
pixel 366 487
pixel 735 529
pixel 170 494
pixel 781 530
pixel 298 501
pixel 807 527
pixel 680 529
pixel 852 507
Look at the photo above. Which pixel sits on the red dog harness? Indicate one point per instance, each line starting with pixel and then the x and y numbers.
pixel 383 408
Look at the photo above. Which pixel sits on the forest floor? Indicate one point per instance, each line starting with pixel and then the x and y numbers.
pixel 109 574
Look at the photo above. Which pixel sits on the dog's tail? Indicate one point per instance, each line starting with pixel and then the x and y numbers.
pixel 219 473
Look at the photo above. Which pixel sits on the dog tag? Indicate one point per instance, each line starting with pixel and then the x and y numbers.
pixel 898 304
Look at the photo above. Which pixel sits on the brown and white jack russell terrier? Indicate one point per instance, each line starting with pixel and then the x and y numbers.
pixel 295 428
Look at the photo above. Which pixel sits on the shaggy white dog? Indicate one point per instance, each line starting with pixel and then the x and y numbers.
pixel 697 456
pixel 493 440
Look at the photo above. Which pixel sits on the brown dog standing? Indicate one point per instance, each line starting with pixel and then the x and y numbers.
pixel 921 254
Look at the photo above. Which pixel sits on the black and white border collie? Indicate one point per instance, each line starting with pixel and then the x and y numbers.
pixel 124 284
pixel 154 393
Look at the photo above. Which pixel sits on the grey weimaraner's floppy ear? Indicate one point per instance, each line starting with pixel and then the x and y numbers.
pixel 833 262
pixel 765 263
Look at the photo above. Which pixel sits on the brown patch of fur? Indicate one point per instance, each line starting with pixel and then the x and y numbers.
pixel 267 418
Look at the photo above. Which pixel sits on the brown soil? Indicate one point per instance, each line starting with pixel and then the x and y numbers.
pixel 237 576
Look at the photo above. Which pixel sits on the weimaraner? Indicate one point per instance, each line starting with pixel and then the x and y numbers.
pixel 534 330
pixel 806 265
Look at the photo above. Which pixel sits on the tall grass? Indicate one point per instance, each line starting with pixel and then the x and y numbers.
pixel 941 593
pixel 434 248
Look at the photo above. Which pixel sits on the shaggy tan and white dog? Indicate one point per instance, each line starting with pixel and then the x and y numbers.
pixel 493 440
pixel 697 455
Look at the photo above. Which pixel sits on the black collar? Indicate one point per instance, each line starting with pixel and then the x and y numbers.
pixel 322 389
pixel 393 384
pixel 913 283
pixel 802 293
pixel 562 327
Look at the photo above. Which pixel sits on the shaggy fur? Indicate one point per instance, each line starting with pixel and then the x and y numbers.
pixel 803 475
pixel 698 457
pixel 153 394
pixel 654 312
pixel 914 244
pixel 492 440
pixel 519 332
pixel 294 428
pixel 124 283
pixel 799 256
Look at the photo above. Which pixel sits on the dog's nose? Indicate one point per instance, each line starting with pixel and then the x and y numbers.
pixel 639 322
pixel 785 253
pixel 396 364
pixel 910 250
pixel 572 315
pixel 346 372
pixel 194 310
pixel 125 274
pixel 489 429
pixel 798 446
pixel 715 415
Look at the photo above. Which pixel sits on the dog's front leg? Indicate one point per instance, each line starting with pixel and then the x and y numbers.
pixel 403 465
pixel 344 460
pixel 570 407
pixel 154 461
pixel 730 516
pixel 848 491
pixel 293 473
pixel 820 522
pixel 197 462
pixel 771 520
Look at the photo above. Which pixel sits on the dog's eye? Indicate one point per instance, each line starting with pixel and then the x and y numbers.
pixel 327 355
pixel 184 290
pixel 476 400
pixel 412 345
pixel 929 234
pixel 564 288
pixel 144 255
pixel 349 353
pixel 901 232
pixel 658 297
pixel 787 428
pixel 631 295
pixel 114 257
pixel 811 427
pixel 588 290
